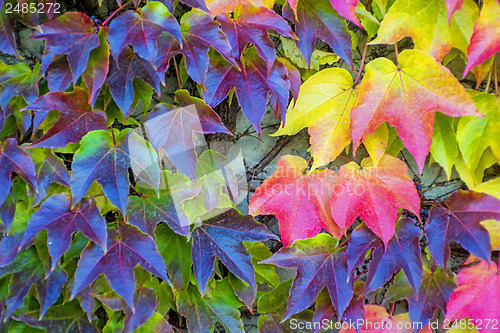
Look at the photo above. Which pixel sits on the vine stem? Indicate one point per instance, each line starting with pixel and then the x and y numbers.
pixel 496 75
pixel 115 12
pixel 391 311
pixel 362 64
pixel 177 73
pixel 488 81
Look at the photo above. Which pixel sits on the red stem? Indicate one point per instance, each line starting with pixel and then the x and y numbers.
pixel 392 309
pixel 116 11
pixel 362 64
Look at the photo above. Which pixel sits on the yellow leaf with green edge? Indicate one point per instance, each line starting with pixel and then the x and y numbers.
pixel 426 22
pixel 318 58
pixel 444 147
pixel 491 187
pixel 473 178
pixel 476 134
pixel 324 105
pixel 376 143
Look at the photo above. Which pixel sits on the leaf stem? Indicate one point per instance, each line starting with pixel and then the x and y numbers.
pixel 362 64
pixel 397 53
pixel 115 12
pixel 177 73
pixel 496 75
pixel 489 80
pixel 391 311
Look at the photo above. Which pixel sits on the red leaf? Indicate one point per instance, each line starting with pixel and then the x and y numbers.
pixel 347 8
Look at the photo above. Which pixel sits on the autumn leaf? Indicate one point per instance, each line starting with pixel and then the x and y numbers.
pixel 477 296
pixel 324 106
pixel 217 6
pixel 461 222
pixel 373 193
pixel 444 146
pixel 299 200
pixel 420 86
pixel 452 6
pixel 97 68
pixel 347 9
pixel 18 80
pixel 485 41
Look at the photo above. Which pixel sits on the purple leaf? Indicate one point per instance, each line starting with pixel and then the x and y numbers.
pixel 49 289
pixel 7 212
pixel 18 80
pixel 462 223
pixel 403 251
pixel 50 170
pixel 317 19
pixel 127 247
pixel 319 264
pixel 120 78
pixel 141 29
pixel 223 236
pixel 9 248
pixel 61 221
pixel 59 74
pixel 14 159
pixel 72 34
pixel 75 121
pixel 249 24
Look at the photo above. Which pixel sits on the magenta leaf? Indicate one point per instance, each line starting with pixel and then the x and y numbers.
pixel 129 66
pixel 127 247
pixel 461 222
pixel 402 252
pixel 18 80
pixel 199 32
pixel 61 221
pixel 141 29
pixel 223 236
pixel 249 24
pixel 347 9
pixel 319 263
pixel 75 121
pixel 171 129
pixel 14 159
pixel 317 19
pixel 105 157
pixel 72 34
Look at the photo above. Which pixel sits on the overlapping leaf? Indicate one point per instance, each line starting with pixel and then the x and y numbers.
pixel 98 66
pixel 374 193
pixel 461 222
pixel 407 97
pixel 18 80
pixel 222 236
pixel 299 200
pixel 126 248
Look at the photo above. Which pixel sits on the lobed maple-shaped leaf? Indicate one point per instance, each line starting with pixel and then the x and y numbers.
pixel 148 209
pixel 475 135
pixel 317 19
pixel 72 34
pixel 14 159
pixel 299 200
pixel 407 96
pixel 374 193
pixel 253 85
pixel 98 66
pixel 222 236
pixel 126 247
pixel 141 29
pixel 249 24
pixel 377 320
pixel 199 31
pixel 401 252
pixel 477 297
pixel 319 263
pixel 203 312
pixel 324 106
pixel 105 157
pixel 427 23
pixel 18 80
pixel 76 118
pixel 122 72
pixel 461 222
pixel 171 129
pixel 61 221
pixel 485 41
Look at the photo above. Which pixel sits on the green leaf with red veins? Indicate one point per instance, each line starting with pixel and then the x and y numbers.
pixel 199 31
pixel 407 96
pixel 76 118
pixel 18 80
pixel 316 19
pixel 141 29
pixel 319 263
pixel 249 24
pixel 477 297
pixel 374 193
pixel 98 66
pixel 299 200
pixel 105 157
pixel 14 159
pixel 72 34
pixel 129 66
pixel 485 41
pixel 126 248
